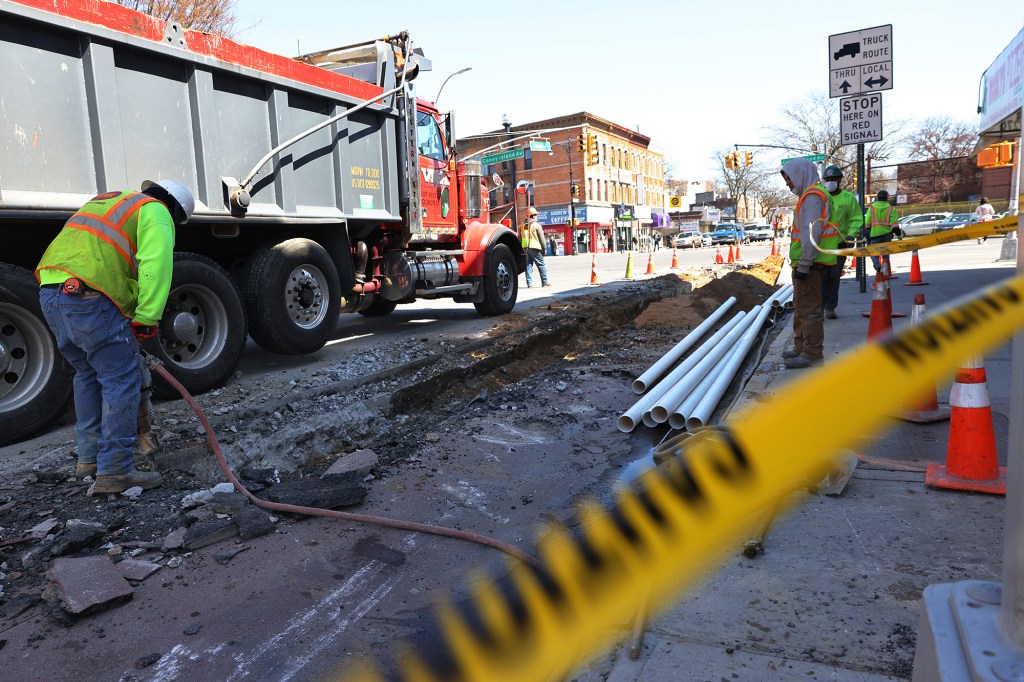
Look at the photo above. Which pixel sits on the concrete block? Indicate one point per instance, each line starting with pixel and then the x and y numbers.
pixel 138 569
pixel 89 584
pixel 360 461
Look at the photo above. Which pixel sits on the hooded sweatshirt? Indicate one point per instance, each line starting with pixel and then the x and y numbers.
pixel 804 175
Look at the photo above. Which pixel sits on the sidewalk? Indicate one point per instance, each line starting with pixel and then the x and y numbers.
pixel 837 593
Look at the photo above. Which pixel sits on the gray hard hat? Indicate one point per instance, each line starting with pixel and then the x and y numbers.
pixel 179 193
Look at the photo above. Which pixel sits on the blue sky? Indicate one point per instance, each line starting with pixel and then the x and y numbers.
pixel 695 77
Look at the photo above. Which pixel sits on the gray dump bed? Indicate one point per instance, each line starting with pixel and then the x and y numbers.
pixel 88 107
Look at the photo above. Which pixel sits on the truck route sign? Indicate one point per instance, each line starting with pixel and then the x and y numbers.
pixel 860 119
pixel 860 61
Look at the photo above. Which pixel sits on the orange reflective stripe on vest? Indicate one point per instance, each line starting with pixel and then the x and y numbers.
pixel 109 227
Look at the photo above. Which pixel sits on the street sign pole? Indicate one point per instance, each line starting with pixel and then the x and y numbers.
pixel 862 263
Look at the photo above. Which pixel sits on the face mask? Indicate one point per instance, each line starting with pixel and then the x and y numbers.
pixel 832 185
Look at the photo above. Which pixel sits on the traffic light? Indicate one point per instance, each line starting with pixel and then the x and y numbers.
pixel 574 189
pixel 748 158
pixel 581 143
pixel 730 160
pixel 593 158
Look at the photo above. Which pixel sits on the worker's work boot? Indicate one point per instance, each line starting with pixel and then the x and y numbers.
pixel 790 353
pixel 803 362
pixel 83 469
pixel 118 483
pixel 830 315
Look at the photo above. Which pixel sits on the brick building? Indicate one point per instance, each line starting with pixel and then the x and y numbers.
pixel 620 181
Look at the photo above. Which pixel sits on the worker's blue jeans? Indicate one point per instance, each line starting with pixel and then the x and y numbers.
pixel 535 256
pixel 887 237
pixel 98 342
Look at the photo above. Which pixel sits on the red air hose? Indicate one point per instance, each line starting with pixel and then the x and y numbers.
pixel 330 513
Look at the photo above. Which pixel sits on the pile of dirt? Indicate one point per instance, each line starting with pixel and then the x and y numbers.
pixel 750 285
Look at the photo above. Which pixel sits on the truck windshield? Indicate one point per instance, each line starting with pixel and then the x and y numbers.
pixel 428 137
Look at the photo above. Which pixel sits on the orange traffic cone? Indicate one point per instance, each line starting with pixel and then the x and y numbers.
pixel 972 462
pixel 881 322
pixel 928 409
pixel 883 276
pixel 650 264
pixel 732 256
pixel 593 269
pixel 775 249
pixel 675 260
pixel 738 256
pixel 915 272
pixel 718 255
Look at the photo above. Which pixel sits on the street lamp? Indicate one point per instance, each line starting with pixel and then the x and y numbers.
pixel 572 197
pixel 440 89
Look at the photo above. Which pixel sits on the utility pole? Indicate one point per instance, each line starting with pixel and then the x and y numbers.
pixel 862 264
pixel 572 198
pixel 507 123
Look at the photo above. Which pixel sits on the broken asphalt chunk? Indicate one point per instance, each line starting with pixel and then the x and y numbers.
pixel 252 523
pixel 360 461
pixel 326 493
pixel 89 584
pixel 137 569
pixel 206 533
pixel 77 535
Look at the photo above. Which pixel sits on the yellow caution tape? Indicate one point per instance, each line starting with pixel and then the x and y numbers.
pixel 976 231
pixel 679 519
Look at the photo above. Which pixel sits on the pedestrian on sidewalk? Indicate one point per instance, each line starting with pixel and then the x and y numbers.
pixel 983 213
pixel 881 221
pixel 811 218
pixel 104 282
pixel 847 215
pixel 533 243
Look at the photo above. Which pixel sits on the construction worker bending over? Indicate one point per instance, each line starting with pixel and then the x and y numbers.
pixel 811 221
pixel 847 215
pixel 104 282
pixel 533 244
pixel 881 221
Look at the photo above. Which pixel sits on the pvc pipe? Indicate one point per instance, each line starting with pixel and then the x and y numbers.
pixel 629 419
pixel 681 373
pixel 702 412
pixel 651 376
pixel 668 403
pixel 677 420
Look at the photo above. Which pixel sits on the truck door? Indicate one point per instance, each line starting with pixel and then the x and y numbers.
pixel 440 210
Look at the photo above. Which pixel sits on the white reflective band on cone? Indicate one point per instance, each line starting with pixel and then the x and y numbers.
pixel 969 395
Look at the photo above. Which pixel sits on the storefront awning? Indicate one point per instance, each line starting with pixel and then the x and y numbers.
pixel 660 220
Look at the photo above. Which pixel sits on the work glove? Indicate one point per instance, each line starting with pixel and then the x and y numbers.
pixel 797 274
pixel 143 331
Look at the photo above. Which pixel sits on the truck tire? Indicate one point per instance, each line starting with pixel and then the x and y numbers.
pixel 293 296
pixel 379 307
pixel 201 335
pixel 35 380
pixel 501 283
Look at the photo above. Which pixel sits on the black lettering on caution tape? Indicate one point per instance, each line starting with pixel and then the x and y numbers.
pixel 913 345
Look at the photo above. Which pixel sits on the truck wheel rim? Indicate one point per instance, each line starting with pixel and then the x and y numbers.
pixel 27 357
pixel 305 296
pixel 194 328
pixel 504 281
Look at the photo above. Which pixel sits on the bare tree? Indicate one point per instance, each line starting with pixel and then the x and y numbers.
pixel 941 137
pixel 209 16
pixel 811 126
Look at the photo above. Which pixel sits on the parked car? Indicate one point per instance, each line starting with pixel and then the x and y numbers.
pixel 954 221
pixel 687 239
pixel 920 224
pixel 706 238
pixel 729 233
pixel 760 233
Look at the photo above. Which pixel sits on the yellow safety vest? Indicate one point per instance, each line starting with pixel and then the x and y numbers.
pixel 529 238
pixel 881 224
pixel 829 233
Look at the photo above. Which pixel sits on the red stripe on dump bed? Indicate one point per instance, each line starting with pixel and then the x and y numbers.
pixel 115 17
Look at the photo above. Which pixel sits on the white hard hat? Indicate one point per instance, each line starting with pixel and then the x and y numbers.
pixel 179 193
pixel 531 211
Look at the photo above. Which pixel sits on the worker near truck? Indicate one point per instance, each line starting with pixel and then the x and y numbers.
pixel 533 243
pixel 811 218
pixel 881 224
pixel 847 215
pixel 104 281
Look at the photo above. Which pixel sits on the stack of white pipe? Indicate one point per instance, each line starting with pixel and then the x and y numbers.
pixel 694 388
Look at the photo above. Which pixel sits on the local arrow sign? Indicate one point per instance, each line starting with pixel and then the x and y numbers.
pixel 860 61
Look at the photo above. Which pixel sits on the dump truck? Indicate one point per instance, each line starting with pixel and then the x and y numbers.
pixel 323 186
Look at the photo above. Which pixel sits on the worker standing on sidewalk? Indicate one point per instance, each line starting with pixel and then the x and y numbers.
pixel 104 282
pixel 533 243
pixel 880 224
pixel 811 218
pixel 849 219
